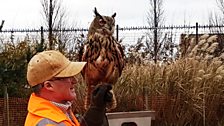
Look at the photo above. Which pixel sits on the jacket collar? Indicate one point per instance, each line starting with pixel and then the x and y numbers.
pixel 46 109
pixel 64 107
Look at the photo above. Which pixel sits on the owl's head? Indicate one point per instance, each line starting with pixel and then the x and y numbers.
pixel 104 25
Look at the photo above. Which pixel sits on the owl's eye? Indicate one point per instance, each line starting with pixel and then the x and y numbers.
pixel 102 22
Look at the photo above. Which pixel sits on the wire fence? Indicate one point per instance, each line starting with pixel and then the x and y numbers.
pixel 129 35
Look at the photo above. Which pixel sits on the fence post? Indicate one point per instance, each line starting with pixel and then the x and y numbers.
pixel 6 105
pixel 145 97
pixel 42 34
pixel 2 25
pixel 117 30
pixel 196 32
pixel 12 36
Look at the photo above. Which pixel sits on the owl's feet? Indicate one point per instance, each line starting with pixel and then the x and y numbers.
pixel 113 104
pixel 109 106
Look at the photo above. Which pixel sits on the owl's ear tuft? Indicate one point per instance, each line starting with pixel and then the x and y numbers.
pixel 113 15
pixel 96 13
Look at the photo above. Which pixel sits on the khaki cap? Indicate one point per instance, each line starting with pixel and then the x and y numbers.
pixel 48 64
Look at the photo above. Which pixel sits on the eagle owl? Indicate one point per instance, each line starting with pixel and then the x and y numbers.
pixel 104 55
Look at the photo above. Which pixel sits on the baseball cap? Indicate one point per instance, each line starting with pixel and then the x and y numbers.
pixel 48 64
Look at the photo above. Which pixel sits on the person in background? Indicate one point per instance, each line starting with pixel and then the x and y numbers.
pixel 52 77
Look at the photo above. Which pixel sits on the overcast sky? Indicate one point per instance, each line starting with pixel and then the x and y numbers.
pixel 27 13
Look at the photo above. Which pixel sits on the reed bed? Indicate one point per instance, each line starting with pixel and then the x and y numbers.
pixel 186 92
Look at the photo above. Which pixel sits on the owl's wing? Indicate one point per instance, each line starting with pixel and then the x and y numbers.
pixel 121 57
pixel 92 73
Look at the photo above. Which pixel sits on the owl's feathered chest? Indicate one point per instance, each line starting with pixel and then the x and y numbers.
pixel 104 57
pixel 99 48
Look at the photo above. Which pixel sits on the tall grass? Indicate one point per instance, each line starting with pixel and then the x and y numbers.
pixel 185 92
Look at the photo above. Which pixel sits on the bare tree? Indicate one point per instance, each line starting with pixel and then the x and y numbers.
pixel 158 43
pixel 216 18
pixel 221 5
pixel 155 19
pixel 1 26
pixel 55 18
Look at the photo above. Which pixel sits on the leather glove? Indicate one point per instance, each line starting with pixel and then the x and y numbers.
pixel 96 114
pixel 101 95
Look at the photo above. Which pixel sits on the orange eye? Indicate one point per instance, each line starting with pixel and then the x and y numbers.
pixel 102 22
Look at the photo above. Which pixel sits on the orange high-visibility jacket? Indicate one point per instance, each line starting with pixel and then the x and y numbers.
pixel 42 112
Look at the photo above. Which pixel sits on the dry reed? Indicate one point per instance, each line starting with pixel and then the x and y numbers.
pixel 185 92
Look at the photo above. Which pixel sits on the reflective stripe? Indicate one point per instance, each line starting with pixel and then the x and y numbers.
pixel 46 121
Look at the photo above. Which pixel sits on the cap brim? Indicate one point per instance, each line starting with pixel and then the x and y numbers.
pixel 71 70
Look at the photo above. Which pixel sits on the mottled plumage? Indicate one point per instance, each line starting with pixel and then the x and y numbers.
pixel 103 54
